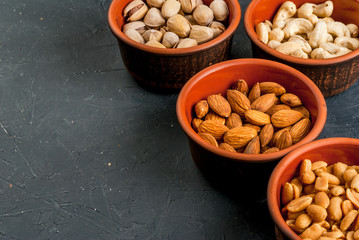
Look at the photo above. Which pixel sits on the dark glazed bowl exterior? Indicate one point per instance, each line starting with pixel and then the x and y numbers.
pixel 169 69
pixel 222 165
pixel 330 150
pixel 332 76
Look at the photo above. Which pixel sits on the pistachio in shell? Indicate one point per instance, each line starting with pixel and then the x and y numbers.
pixel 154 43
pixel 218 28
pixel 188 5
pixel 139 26
pixel 134 35
pixel 186 42
pixel 135 10
pixel 179 25
pixel 190 19
pixel 154 18
pixel 203 15
pixel 170 39
pixel 155 3
pixel 170 8
pixel 219 9
pixel 201 34
pixel 152 34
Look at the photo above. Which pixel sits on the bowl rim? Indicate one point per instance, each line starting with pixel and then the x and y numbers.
pixel 311 62
pixel 272 202
pixel 242 157
pixel 116 30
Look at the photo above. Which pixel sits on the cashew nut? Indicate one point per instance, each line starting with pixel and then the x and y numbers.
pixel 353 29
pixel 330 38
pixel 351 43
pixel 262 32
pixel 306 10
pixel 338 29
pixel 328 19
pixel 329 50
pixel 299 53
pixel 319 34
pixel 324 9
pixel 268 24
pixel 288 47
pixel 297 26
pixel 313 19
pixel 305 45
pixel 273 44
pixel 320 53
pixel 286 10
pixel 276 34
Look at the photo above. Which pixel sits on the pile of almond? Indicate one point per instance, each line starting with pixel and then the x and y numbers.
pixel 262 119
pixel 323 201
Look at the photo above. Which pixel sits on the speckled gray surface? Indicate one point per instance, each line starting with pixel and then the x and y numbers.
pixel 85 153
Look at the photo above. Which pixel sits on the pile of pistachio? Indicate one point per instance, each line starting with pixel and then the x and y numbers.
pixel 174 24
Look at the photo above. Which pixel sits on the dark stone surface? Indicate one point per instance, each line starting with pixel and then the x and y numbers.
pixel 85 153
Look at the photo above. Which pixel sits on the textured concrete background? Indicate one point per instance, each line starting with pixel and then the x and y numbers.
pixel 85 153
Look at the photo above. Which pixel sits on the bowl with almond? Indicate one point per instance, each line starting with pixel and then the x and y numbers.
pixel 313 192
pixel 317 37
pixel 241 115
pixel 163 43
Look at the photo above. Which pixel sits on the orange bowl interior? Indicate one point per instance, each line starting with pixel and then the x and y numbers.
pixel 116 21
pixel 330 150
pixel 220 77
pixel 346 11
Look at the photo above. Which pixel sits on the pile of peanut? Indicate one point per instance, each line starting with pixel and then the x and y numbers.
pixel 174 23
pixel 308 32
pixel 262 119
pixel 322 202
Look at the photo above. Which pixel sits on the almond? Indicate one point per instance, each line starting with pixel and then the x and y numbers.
pixel 201 108
pixel 195 124
pixel 208 138
pixel 276 108
pixel 227 147
pixel 234 120
pixel 264 102
pixel 266 134
pixel 238 101
pixel 254 93
pixel 255 127
pixel 284 118
pixel 257 117
pixel 277 134
pixel 290 99
pixel 241 86
pixel 271 87
pixel 239 136
pixel 219 105
pixel 253 147
pixel 214 128
pixel 300 130
pixel 215 117
pixel 303 110
pixel 284 140
pixel 271 150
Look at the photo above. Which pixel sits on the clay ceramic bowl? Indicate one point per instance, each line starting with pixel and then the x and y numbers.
pixel 169 69
pixel 332 76
pixel 219 164
pixel 330 150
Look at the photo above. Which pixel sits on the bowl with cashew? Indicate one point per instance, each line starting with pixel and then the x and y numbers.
pixel 163 43
pixel 319 38
pixel 313 192
pixel 241 126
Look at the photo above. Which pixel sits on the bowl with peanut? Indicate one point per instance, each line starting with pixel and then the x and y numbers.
pixel 245 114
pixel 163 43
pixel 313 192
pixel 319 38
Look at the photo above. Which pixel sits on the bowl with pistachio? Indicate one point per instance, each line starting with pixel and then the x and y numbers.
pixel 317 37
pixel 163 43
pixel 241 126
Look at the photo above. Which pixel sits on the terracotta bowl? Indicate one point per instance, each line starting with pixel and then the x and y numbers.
pixel 218 164
pixel 169 69
pixel 332 76
pixel 330 150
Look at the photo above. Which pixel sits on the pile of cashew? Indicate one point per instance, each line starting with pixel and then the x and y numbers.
pixel 308 32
